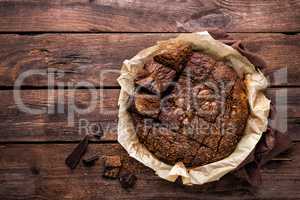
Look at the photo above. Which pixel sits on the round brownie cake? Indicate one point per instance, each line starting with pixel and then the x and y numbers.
pixel 189 107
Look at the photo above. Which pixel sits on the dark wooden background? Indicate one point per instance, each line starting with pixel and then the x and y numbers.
pixel 81 38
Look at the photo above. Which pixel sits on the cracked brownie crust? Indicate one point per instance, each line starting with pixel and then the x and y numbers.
pixel 189 107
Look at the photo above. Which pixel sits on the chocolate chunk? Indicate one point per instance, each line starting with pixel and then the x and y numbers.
pixel 112 167
pixel 73 159
pixel 127 180
pixel 88 162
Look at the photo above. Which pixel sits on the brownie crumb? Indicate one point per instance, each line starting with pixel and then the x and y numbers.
pixel 88 162
pixel 35 170
pixel 127 180
pixel 112 167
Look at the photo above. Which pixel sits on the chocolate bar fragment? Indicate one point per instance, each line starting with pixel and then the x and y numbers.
pixel 112 167
pixel 73 159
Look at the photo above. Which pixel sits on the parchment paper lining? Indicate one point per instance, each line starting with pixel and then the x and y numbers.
pixel 259 105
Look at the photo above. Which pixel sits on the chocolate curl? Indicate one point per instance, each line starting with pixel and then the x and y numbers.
pixel 73 159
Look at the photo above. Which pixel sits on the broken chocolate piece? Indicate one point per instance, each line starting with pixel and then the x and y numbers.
pixel 73 159
pixel 127 180
pixel 112 167
pixel 88 162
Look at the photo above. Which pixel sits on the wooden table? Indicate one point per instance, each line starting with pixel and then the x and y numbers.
pixel 74 41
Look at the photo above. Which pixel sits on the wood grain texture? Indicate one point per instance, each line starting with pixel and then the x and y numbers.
pixel 97 58
pixel 38 171
pixel 53 125
pixel 41 168
pixel 59 115
pixel 149 16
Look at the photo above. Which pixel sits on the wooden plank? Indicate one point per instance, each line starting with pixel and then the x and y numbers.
pixel 280 53
pixel 149 16
pixel 37 171
pixel 53 125
pixel 97 58
pixel 56 116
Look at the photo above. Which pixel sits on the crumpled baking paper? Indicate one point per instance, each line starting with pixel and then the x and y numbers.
pixel 259 105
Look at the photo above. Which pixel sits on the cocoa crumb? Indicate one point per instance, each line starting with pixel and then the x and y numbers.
pixel 127 180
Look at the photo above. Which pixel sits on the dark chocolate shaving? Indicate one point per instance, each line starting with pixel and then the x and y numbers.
pixel 88 162
pixel 128 180
pixel 73 159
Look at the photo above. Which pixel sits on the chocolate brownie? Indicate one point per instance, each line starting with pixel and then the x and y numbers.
pixel 194 109
pixel 112 167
